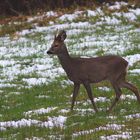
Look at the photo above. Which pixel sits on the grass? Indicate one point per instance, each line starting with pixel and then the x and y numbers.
pixel 82 123
pixel 60 98
pixel 12 28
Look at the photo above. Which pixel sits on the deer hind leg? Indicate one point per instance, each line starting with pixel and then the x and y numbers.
pixel 132 88
pixel 124 84
pixel 89 92
pixel 118 93
pixel 75 93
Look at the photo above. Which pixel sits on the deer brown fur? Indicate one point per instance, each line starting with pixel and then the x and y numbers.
pixel 92 70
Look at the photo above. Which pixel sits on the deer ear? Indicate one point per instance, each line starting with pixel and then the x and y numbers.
pixel 61 35
pixel 56 34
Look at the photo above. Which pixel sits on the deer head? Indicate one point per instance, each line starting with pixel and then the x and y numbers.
pixel 58 45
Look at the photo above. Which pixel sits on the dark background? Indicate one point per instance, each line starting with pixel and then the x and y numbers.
pixel 18 7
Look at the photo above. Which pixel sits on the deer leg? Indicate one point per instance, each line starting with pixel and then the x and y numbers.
pixel 118 94
pixel 75 93
pixel 89 92
pixel 132 88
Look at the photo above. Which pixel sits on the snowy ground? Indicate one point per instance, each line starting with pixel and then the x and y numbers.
pixel 42 65
pixel 25 64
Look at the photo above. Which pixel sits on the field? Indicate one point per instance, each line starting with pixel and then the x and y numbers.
pixel 35 93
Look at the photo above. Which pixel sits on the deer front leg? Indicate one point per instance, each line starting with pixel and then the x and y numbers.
pixel 89 92
pixel 75 93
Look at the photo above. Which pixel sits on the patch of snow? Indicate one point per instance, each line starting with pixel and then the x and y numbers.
pixel 101 99
pixel 35 138
pixel 35 81
pixel 131 97
pixel 39 17
pixel 51 14
pixel 117 5
pixel 91 13
pixel 19 123
pixel 135 71
pixel 112 117
pixel 15 93
pixel 137 115
pixel 43 96
pixel 68 17
pixel 39 111
pixel 114 127
pixel 130 16
pixel 132 59
pixel 24 32
pixel 136 11
pixel 84 111
pixel 3 85
pixel 5 63
pixel 123 135
pixel 2 129
pixel 111 20
pixel 64 111
pixel 52 122
pixel 104 88
pixel 65 83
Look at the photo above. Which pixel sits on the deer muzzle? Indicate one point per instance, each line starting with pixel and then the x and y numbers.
pixel 49 52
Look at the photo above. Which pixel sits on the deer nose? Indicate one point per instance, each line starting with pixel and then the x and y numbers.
pixel 49 52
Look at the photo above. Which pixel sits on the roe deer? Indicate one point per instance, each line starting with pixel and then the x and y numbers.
pixel 92 70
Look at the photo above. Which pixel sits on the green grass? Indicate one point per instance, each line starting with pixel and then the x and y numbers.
pixel 60 98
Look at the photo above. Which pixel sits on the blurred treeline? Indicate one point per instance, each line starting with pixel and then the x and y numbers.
pixel 18 7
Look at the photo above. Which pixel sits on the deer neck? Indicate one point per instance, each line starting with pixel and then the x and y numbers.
pixel 65 60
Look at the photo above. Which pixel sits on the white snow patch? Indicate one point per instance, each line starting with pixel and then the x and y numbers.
pixel 39 17
pixel 64 111
pixel 112 117
pixel 104 88
pixel 43 96
pixel 5 63
pixel 35 138
pixel 39 111
pixel 68 17
pixel 2 129
pixel 35 81
pixel 52 122
pixel 55 122
pixel 114 127
pixel 137 115
pixel 3 85
pixel 132 59
pixel 135 71
pixel 136 11
pixel 19 123
pixel 111 20
pixel 131 97
pixel 101 99
pixel 51 14
pixel 130 16
pixel 84 111
pixel 91 13
pixel 117 5
pixel 123 135
pixel 65 83
pixel 15 93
